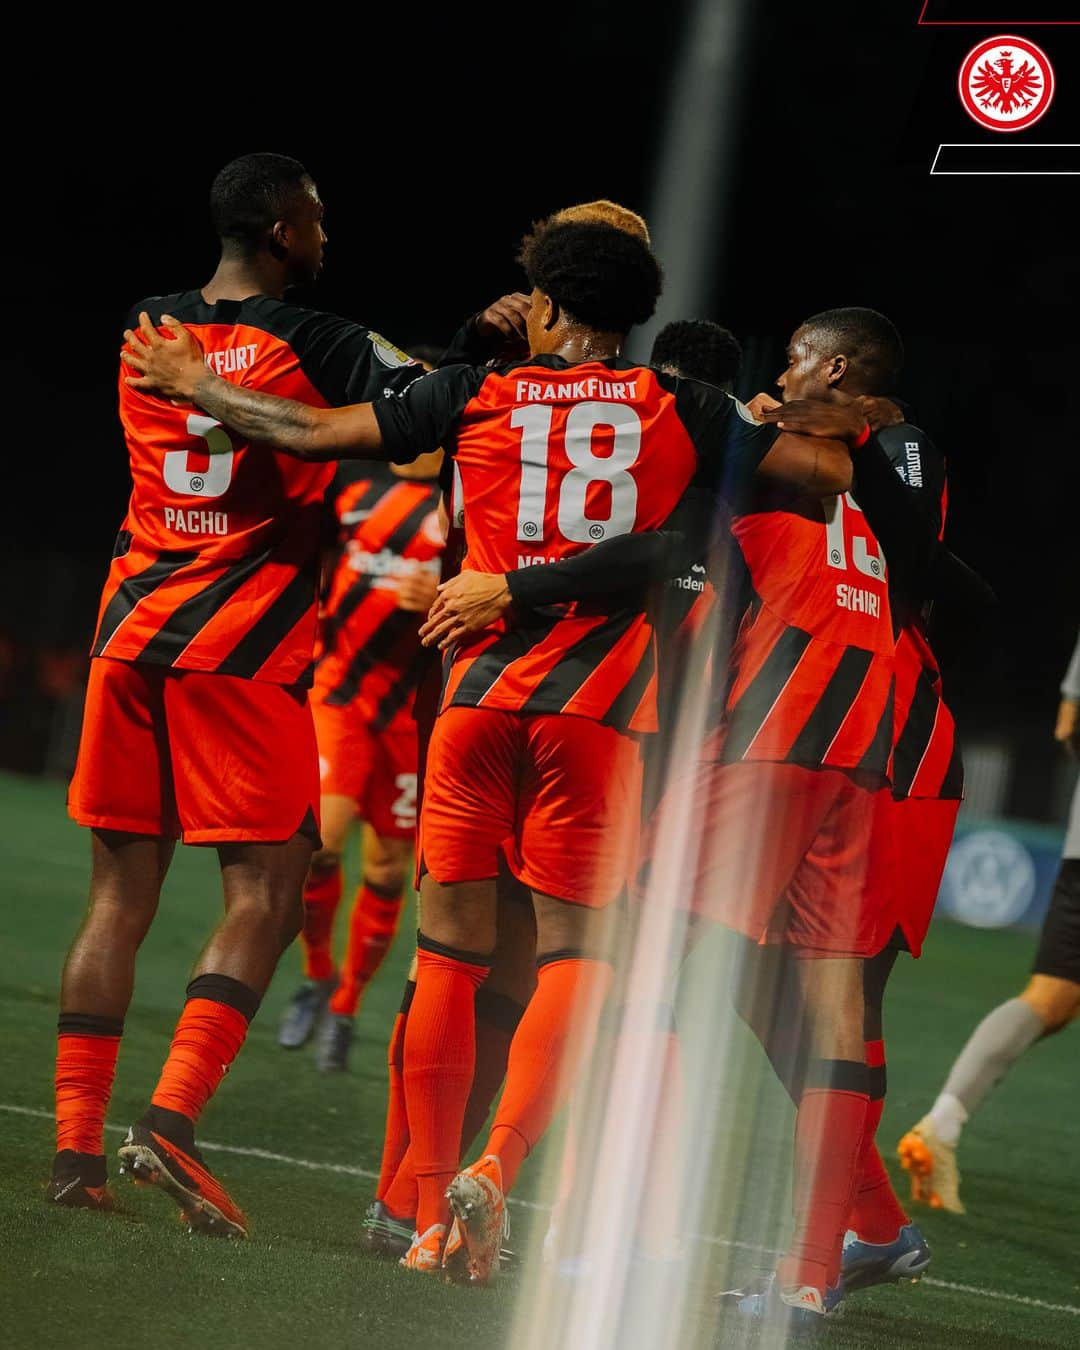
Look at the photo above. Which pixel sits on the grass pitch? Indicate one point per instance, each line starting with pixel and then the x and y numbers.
pixel 139 1281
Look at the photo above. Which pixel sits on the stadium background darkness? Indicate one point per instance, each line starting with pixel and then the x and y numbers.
pixel 476 127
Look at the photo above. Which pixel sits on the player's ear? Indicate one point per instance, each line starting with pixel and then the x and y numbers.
pixel 836 370
pixel 280 239
pixel 550 315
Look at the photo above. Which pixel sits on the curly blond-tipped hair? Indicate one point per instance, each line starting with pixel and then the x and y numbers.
pixel 610 213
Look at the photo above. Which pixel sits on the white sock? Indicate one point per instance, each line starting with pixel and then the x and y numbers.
pixel 949 1117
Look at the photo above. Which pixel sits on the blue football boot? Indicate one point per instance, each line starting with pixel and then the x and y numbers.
pixel 867 1263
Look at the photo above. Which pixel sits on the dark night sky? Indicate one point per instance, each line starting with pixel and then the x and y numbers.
pixel 437 142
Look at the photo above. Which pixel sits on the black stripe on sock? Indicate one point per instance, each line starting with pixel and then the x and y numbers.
pixel 879 1083
pixel 407 997
pixel 224 989
pixel 426 944
pixel 837 1075
pixel 395 892
pixel 88 1024
pixel 569 954
pixel 498 1010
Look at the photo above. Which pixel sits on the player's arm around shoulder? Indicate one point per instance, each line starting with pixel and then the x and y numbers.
pixel 172 366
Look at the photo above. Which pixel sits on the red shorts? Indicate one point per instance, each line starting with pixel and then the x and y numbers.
pixel 563 794
pixel 375 769
pixel 776 852
pixel 908 851
pixel 209 758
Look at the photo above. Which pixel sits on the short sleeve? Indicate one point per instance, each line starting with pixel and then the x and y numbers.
pixel 919 464
pixel 730 444
pixel 424 415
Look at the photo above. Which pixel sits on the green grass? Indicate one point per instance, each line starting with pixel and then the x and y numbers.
pixel 139 1280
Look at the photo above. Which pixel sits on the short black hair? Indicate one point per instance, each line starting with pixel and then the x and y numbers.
pixel 253 192
pixel 599 275
pixel 699 350
pixel 870 341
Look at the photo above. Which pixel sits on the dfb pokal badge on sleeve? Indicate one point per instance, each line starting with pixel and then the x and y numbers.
pixel 1006 83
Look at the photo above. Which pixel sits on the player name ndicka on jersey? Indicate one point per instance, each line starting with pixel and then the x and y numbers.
pixel 529 391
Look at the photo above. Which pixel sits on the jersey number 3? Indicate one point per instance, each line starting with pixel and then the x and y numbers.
pixel 209 482
pixel 534 422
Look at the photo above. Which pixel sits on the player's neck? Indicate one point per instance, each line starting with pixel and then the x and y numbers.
pixel 585 344
pixel 237 278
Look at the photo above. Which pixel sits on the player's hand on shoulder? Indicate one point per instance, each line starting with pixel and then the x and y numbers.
pixel 505 320
pixel 760 404
pixel 1067 730
pixel 416 591
pixel 880 412
pixel 841 420
pixel 168 366
pixel 465 604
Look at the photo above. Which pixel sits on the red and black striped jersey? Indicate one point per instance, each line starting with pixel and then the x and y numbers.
pixel 372 659
pixel 812 667
pixel 926 759
pixel 216 564
pixel 550 459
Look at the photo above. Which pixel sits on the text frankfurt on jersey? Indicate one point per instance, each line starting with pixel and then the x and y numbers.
pixel 529 391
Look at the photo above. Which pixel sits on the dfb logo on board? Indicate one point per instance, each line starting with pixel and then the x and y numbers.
pixel 1006 83
pixel 989 881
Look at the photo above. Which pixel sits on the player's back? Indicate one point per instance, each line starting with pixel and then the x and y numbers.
pixel 373 661
pixel 813 665
pixel 552 458
pixel 215 567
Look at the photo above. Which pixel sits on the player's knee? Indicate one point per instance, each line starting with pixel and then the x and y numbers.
pixel 324 861
pixel 1056 1002
pixel 385 875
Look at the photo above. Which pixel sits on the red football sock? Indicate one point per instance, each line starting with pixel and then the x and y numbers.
pixel 373 925
pixel 86 1051
pixel 544 1059
pixel 497 1019
pixel 876 1213
pixel 396 1133
pixel 207 1037
pixel 440 1052
pixel 828 1137
pixel 322 895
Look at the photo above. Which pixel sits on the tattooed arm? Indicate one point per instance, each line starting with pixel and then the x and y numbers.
pixel 173 368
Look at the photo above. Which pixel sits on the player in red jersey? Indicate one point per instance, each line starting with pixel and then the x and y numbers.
pixel 551 704
pixel 365 682
pixel 197 723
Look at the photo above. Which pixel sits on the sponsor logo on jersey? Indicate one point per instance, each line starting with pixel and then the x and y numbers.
pixel 912 474
pixel 386 565
pixel 1006 83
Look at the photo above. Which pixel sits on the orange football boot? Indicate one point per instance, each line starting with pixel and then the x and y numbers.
pixel 479 1208
pixel 205 1205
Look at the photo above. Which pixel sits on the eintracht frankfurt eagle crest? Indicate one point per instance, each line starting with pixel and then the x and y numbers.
pixel 1006 83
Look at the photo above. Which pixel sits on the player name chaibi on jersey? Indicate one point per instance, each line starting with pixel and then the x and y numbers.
pixel 533 391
